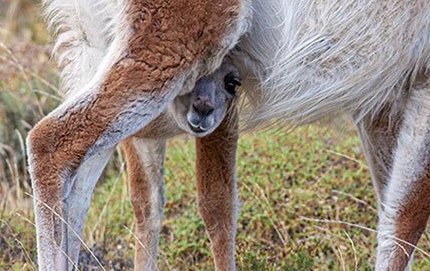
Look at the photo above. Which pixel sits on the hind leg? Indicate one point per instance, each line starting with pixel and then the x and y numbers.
pixel 67 152
pixel 405 204
pixel 378 137
pixel 151 59
pixel 145 166
pixel 216 187
pixel 77 201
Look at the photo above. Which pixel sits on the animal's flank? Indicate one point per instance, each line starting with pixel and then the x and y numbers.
pixel 313 59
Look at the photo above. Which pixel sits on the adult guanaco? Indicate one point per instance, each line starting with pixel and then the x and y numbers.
pixel 300 61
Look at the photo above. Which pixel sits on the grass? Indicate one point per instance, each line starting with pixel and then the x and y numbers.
pixel 297 190
pixel 307 199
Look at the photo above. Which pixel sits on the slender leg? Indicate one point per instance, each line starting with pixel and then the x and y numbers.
pixel 379 138
pixel 150 60
pixel 145 165
pixel 216 186
pixel 405 205
pixel 59 148
pixel 79 198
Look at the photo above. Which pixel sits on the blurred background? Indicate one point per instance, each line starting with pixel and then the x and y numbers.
pixel 307 200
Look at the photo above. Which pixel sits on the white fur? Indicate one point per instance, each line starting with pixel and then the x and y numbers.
pixel 84 31
pixel 314 59
pixel 306 60
pixel 78 202
pixel 86 48
pixel 409 165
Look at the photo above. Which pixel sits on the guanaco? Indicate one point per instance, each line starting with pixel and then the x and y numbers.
pixel 300 61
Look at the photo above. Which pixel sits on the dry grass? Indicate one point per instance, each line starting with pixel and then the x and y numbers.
pixel 307 201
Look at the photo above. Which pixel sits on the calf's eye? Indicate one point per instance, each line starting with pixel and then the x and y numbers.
pixel 231 82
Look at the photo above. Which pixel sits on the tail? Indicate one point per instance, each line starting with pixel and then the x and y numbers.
pixel 83 29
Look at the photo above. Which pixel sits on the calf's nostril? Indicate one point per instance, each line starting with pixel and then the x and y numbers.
pixel 203 108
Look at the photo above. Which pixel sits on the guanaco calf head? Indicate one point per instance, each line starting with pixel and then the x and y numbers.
pixel 202 110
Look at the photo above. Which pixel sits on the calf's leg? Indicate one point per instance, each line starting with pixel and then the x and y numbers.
pixel 217 192
pixel 145 166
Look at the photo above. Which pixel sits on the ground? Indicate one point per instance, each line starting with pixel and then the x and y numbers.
pixel 306 197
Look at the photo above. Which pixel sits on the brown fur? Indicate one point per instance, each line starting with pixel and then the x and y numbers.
pixel 139 190
pixel 140 193
pixel 169 37
pixel 412 221
pixel 215 197
pixel 216 187
pixel 379 140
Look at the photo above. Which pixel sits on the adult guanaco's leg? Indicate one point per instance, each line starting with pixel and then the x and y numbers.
pixel 158 51
pixel 401 170
pixel 378 135
pixel 217 191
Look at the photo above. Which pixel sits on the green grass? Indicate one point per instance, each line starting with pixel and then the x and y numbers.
pixel 297 190
pixel 307 199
